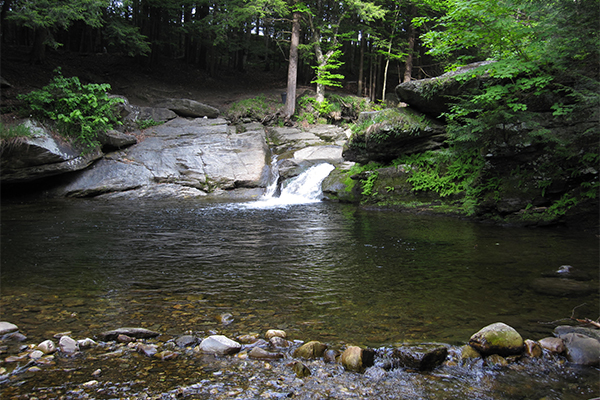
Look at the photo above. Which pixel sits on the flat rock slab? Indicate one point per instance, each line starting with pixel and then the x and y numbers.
pixel 195 157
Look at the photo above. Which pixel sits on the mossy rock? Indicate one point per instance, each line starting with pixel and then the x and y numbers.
pixel 497 338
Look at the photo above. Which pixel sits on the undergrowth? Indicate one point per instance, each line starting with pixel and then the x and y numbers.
pixel 80 111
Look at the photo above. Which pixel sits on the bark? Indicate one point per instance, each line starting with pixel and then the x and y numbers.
pixel 290 103
pixel 361 70
pixel 408 66
pixel 38 50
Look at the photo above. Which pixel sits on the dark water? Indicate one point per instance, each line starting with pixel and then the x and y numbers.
pixel 320 271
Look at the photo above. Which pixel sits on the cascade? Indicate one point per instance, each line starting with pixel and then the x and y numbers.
pixel 303 189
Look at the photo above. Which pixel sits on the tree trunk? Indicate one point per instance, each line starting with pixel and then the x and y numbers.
pixel 361 70
pixel 408 66
pixel 385 73
pixel 290 102
pixel 38 50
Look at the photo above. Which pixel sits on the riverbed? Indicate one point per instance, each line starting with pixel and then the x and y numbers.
pixel 320 271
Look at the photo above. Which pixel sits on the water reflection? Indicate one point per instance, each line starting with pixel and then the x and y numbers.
pixel 323 271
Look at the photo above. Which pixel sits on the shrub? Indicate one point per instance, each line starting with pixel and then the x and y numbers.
pixel 80 111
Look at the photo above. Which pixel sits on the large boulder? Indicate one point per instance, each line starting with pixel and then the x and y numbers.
pixel 189 157
pixel 497 338
pixel 41 155
pixel 392 133
pixel 357 359
pixel 582 349
pixel 188 108
pixel 430 96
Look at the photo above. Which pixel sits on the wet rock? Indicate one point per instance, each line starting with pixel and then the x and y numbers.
pixel 15 336
pixel 563 287
pixel 7 327
pixel 34 355
pixel 564 329
pixel 248 339
pixel 301 370
pixel 497 338
pixel 277 341
pixel 262 354
pixel 166 355
pixel 47 347
pixel 532 348
pixel 468 352
pixel 423 357
pixel 149 350
pixel 90 384
pixel 569 272
pixel 496 360
pixel 125 339
pixel 68 345
pixel 219 344
pixel 86 343
pixel 225 319
pixel 271 333
pixel 186 340
pixel 357 359
pixel 330 355
pixel 312 349
pixel 138 333
pixel 581 349
pixel 97 372
pixel 553 345
pixel 262 343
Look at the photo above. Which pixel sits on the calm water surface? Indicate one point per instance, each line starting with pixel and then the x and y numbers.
pixel 320 271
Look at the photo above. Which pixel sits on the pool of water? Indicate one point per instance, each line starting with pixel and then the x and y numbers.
pixel 320 271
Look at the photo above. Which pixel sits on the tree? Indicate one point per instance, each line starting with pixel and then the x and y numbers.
pixel 290 103
pixel 45 16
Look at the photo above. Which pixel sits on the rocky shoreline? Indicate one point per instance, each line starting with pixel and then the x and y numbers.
pixel 496 347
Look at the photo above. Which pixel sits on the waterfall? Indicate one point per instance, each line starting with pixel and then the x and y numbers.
pixel 304 188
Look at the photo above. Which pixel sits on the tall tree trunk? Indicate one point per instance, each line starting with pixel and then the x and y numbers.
pixel 408 66
pixel 361 70
pixel 290 102
pixel 38 50
pixel 5 9
pixel 385 73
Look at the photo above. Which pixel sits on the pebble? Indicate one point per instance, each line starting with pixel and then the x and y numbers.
pixel 271 333
pixel 68 345
pixel 47 347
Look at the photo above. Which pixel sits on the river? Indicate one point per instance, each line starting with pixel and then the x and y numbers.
pixel 336 273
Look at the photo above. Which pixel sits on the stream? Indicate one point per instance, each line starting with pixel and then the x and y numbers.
pixel 335 273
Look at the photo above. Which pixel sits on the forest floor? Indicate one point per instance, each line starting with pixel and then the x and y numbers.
pixel 141 86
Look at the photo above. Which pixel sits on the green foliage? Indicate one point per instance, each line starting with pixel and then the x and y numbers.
pixel 125 38
pixel 8 133
pixel 256 109
pixel 325 72
pixel 148 123
pixel 80 111
pixel 446 173
pixel 369 183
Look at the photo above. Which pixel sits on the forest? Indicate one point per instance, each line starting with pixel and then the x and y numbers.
pixel 545 65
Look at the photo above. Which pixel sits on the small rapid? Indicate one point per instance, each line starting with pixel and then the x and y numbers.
pixel 303 189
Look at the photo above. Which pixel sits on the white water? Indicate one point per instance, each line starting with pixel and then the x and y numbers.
pixel 303 189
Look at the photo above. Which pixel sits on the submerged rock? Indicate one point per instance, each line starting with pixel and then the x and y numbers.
pixel 301 370
pixel 263 354
pixel 563 287
pixel 138 333
pixel 497 338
